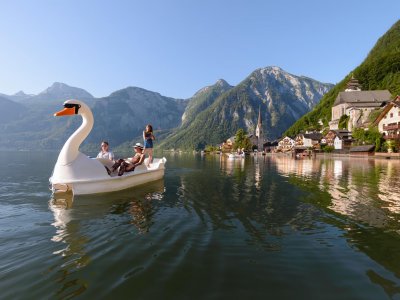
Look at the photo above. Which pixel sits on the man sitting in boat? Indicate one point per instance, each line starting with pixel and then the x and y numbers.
pixel 105 152
pixel 129 164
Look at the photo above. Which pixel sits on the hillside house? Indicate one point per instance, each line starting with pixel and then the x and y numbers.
pixel 356 104
pixel 286 144
pixel 270 146
pixel 388 121
pixel 308 140
pixel 339 139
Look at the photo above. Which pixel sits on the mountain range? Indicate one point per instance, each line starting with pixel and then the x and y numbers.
pixel 210 116
pixel 220 110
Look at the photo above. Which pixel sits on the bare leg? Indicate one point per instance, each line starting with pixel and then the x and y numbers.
pixel 150 150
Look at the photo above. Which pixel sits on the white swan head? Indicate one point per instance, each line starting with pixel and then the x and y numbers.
pixel 73 107
pixel 70 151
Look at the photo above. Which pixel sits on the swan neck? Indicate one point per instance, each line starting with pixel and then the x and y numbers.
pixel 70 150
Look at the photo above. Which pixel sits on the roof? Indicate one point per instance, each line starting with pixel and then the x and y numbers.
pixel 353 84
pixel 395 102
pixel 363 97
pixel 365 104
pixel 281 139
pixel 364 148
pixel 313 135
pixel 271 143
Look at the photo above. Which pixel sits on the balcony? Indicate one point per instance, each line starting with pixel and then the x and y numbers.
pixel 391 127
pixel 391 136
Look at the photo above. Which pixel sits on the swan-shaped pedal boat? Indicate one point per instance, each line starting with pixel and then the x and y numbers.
pixel 81 174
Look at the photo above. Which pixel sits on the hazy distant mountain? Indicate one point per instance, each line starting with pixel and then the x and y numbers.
pixel 60 90
pixel 282 98
pixel 36 127
pixel 10 110
pixel 18 97
pixel 123 115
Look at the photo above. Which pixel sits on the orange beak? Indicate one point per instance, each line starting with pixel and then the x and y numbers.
pixel 65 112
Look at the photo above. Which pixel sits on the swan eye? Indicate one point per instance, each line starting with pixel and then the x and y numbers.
pixel 71 105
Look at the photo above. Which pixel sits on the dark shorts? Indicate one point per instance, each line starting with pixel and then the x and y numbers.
pixel 148 144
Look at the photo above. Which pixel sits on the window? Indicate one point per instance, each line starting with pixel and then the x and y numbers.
pixel 391 115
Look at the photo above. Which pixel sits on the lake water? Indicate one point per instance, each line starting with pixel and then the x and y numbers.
pixel 260 228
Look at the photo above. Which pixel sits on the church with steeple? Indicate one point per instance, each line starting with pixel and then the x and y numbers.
pixel 259 131
pixel 356 104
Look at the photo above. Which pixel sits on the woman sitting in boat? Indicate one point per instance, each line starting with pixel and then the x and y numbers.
pixel 129 164
pixel 105 151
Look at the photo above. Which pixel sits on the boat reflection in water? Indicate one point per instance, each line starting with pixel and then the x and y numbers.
pixel 74 229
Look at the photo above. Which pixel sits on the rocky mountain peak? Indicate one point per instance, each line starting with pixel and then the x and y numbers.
pixel 222 83
pixel 20 94
pixel 62 90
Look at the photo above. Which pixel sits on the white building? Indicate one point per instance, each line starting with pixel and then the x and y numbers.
pixel 389 120
pixel 286 144
pixel 356 104
pixel 308 139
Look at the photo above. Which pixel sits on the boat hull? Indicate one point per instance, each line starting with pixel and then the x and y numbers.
pixel 116 184
pixel 113 183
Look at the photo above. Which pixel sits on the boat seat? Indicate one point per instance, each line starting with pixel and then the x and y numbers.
pixel 106 162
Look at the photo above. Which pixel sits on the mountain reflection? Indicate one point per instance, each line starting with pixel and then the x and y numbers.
pixel 246 195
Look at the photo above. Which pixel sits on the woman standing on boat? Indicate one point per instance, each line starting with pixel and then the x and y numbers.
pixel 148 138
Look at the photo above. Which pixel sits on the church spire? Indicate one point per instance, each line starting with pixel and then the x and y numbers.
pixel 353 85
pixel 259 133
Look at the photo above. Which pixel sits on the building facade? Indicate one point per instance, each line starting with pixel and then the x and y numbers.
pixel 286 144
pixel 356 104
pixel 389 120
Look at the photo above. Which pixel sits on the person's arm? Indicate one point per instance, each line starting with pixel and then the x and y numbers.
pixel 140 161
pixel 110 155
pixel 144 136
pixel 153 137
pixel 99 155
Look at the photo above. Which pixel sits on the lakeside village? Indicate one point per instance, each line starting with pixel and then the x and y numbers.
pixel 364 123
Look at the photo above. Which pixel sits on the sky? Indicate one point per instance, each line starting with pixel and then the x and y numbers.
pixel 176 47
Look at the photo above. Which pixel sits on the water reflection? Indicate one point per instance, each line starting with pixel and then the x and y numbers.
pixel 73 254
pixel 231 166
pixel 74 231
pixel 248 197
pixel 362 189
pixel 361 197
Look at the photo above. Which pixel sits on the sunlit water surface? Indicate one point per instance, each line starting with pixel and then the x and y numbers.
pixel 260 228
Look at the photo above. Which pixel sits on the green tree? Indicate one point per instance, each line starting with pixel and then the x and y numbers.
pixel 344 121
pixel 241 140
pixel 371 136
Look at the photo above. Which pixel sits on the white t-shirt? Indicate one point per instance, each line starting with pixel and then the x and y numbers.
pixel 109 155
